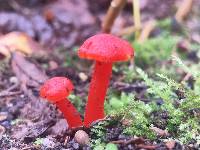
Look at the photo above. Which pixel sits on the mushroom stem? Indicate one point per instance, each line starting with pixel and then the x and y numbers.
pixel 70 113
pixel 97 92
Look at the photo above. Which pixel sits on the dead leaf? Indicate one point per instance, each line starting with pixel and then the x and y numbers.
pixel 159 131
pixel 30 131
pixel 59 128
pixel 18 41
pixel 170 144
pixel 27 72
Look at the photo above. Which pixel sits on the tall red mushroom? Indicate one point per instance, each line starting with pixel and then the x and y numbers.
pixel 105 49
pixel 56 91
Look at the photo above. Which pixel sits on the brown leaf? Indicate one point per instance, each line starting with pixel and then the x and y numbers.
pixel 18 41
pixel 59 128
pixel 28 131
pixel 159 131
pixel 27 73
pixel 170 144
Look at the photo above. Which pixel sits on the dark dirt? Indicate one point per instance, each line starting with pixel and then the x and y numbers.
pixel 24 117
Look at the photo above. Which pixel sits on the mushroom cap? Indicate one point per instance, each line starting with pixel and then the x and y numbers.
pixel 106 48
pixel 56 89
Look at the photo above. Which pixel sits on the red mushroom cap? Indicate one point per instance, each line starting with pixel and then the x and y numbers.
pixel 106 48
pixel 56 88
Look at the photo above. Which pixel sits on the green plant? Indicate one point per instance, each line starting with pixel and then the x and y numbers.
pixel 98 132
pixel 115 103
pixel 137 112
pixel 154 50
pixel 181 123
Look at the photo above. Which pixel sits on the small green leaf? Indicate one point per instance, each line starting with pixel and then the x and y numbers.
pixel 111 146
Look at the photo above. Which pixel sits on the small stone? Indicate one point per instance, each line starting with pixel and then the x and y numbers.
pixel 83 76
pixel 14 80
pixel 81 137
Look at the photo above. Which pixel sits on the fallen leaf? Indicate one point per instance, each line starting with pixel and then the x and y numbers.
pixel 30 131
pixel 27 72
pixel 18 41
pixel 159 131
pixel 170 144
pixel 59 128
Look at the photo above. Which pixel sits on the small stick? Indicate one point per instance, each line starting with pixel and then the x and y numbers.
pixel 136 17
pixel 5 93
pixel 183 10
pixel 131 141
pixel 148 28
pixel 112 13
pixel 148 147
pixel 14 86
pixel 127 31
pixel 8 92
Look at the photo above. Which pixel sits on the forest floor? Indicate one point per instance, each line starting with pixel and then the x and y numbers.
pixel 27 122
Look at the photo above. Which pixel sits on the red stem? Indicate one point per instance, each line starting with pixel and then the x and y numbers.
pixel 97 92
pixel 70 113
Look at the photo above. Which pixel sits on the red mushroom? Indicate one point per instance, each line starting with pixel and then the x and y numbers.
pixel 104 49
pixel 56 91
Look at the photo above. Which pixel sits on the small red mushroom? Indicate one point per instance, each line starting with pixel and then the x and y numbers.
pixel 56 91
pixel 104 49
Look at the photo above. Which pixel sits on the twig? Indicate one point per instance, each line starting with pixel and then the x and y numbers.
pixel 18 8
pixel 186 77
pixel 8 92
pixel 127 31
pixel 14 86
pixel 131 141
pixel 5 93
pixel 136 17
pixel 183 10
pixel 148 147
pixel 112 13
pixel 148 28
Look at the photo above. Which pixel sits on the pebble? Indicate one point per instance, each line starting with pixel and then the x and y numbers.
pixel 83 76
pixel 14 80
pixel 81 137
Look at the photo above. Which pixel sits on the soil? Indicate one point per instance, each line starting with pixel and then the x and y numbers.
pixel 61 25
